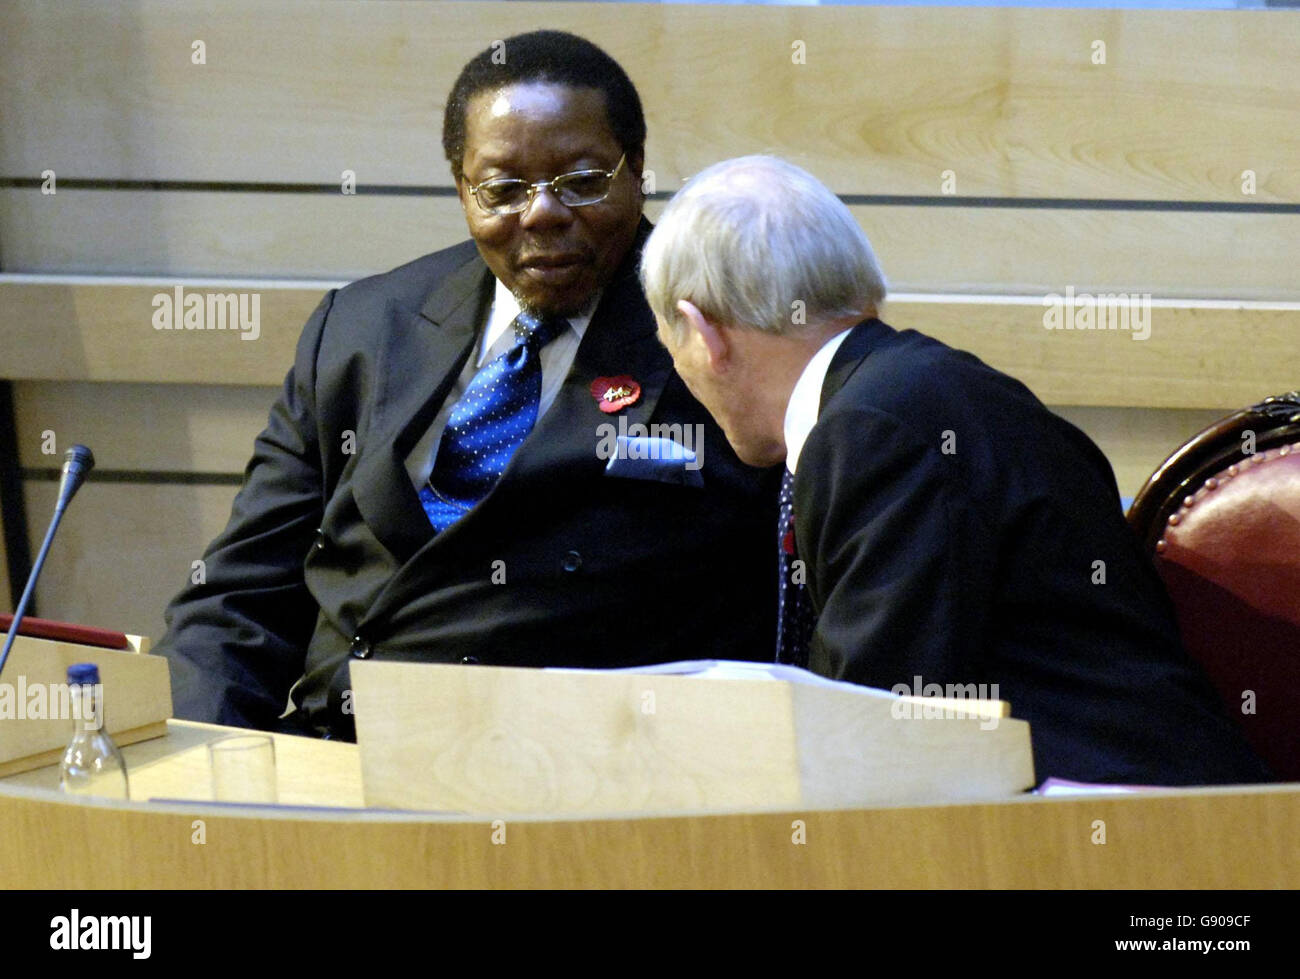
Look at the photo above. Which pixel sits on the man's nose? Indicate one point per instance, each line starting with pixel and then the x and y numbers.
pixel 544 209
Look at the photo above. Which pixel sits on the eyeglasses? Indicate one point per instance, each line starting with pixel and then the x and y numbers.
pixel 577 189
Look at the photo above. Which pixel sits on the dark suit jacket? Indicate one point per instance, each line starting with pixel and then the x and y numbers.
pixel 329 555
pixel 980 564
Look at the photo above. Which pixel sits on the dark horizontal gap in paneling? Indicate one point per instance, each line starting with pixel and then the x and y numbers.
pixel 153 477
pixel 879 200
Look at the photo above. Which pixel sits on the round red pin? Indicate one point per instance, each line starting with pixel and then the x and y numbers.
pixel 615 393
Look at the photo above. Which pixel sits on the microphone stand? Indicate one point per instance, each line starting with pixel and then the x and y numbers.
pixel 79 461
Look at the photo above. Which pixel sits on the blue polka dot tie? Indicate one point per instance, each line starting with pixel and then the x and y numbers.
pixel 795 618
pixel 488 423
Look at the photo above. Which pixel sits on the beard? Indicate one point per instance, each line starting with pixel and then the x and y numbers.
pixel 564 307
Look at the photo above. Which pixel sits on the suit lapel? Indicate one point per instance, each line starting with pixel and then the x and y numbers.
pixel 408 396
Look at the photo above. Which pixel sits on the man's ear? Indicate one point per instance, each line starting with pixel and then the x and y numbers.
pixel 636 164
pixel 712 335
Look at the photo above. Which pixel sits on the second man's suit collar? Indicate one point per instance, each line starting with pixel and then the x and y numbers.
pixel 827 372
pixel 805 400
pixel 860 342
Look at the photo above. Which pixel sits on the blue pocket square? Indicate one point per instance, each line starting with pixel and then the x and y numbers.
pixel 655 458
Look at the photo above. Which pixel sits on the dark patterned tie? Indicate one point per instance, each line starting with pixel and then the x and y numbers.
pixel 488 423
pixel 795 619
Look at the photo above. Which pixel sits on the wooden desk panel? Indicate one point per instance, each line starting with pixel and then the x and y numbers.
pixel 1211 838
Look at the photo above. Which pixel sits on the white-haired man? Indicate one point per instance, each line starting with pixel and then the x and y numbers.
pixel 949 526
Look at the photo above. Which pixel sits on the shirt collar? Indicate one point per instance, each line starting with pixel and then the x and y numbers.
pixel 805 400
pixel 505 307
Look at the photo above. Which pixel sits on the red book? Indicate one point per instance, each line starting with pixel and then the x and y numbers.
pixel 67 632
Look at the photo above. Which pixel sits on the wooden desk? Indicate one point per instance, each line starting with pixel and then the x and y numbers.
pixel 1210 838
pixel 309 772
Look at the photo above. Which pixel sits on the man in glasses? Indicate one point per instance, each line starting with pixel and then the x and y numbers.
pixel 432 484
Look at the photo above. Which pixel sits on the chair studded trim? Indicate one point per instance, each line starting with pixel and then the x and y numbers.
pixel 1220 482
pixel 1271 423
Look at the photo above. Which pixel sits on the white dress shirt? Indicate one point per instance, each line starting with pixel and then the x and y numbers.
pixel 556 359
pixel 806 399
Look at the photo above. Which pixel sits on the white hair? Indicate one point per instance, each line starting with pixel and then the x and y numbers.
pixel 758 242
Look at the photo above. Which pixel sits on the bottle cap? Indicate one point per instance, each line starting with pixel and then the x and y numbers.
pixel 83 673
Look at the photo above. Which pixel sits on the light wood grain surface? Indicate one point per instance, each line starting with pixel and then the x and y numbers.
pixel 309 772
pixel 512 740
pixel 1198 355
pixel 886 98
pixel 206 429
pixel 1169 254
pixel 126 548
pixel 40 713
pixel 1211 838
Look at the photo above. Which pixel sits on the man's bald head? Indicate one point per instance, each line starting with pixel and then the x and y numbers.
pixel 758 242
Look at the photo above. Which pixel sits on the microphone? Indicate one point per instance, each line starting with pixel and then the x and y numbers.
pixel 77 461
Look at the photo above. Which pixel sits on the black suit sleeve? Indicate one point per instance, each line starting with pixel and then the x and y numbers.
pixel 237 639
pixel 896 572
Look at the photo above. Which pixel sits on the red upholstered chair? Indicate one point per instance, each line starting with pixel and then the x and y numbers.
pixel 1222 518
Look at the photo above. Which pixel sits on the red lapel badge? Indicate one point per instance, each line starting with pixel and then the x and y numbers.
pixel 615 393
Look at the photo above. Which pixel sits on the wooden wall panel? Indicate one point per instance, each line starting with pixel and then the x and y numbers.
pixel 96 332
pixel 1009 99
pixel 163 428
pixel 1137 440
pixel 123 550
pixel 922 249
pixel 1198 354
pixel 211 429
pixel 125 547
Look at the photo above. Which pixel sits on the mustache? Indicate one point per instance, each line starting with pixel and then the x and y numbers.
pixel 532 250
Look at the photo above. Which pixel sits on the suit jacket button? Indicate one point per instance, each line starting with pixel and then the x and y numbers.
pixel 572 561
pixel 361 649
pixel 469 660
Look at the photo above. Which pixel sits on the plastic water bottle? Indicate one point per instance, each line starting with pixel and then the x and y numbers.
pixel 92 765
